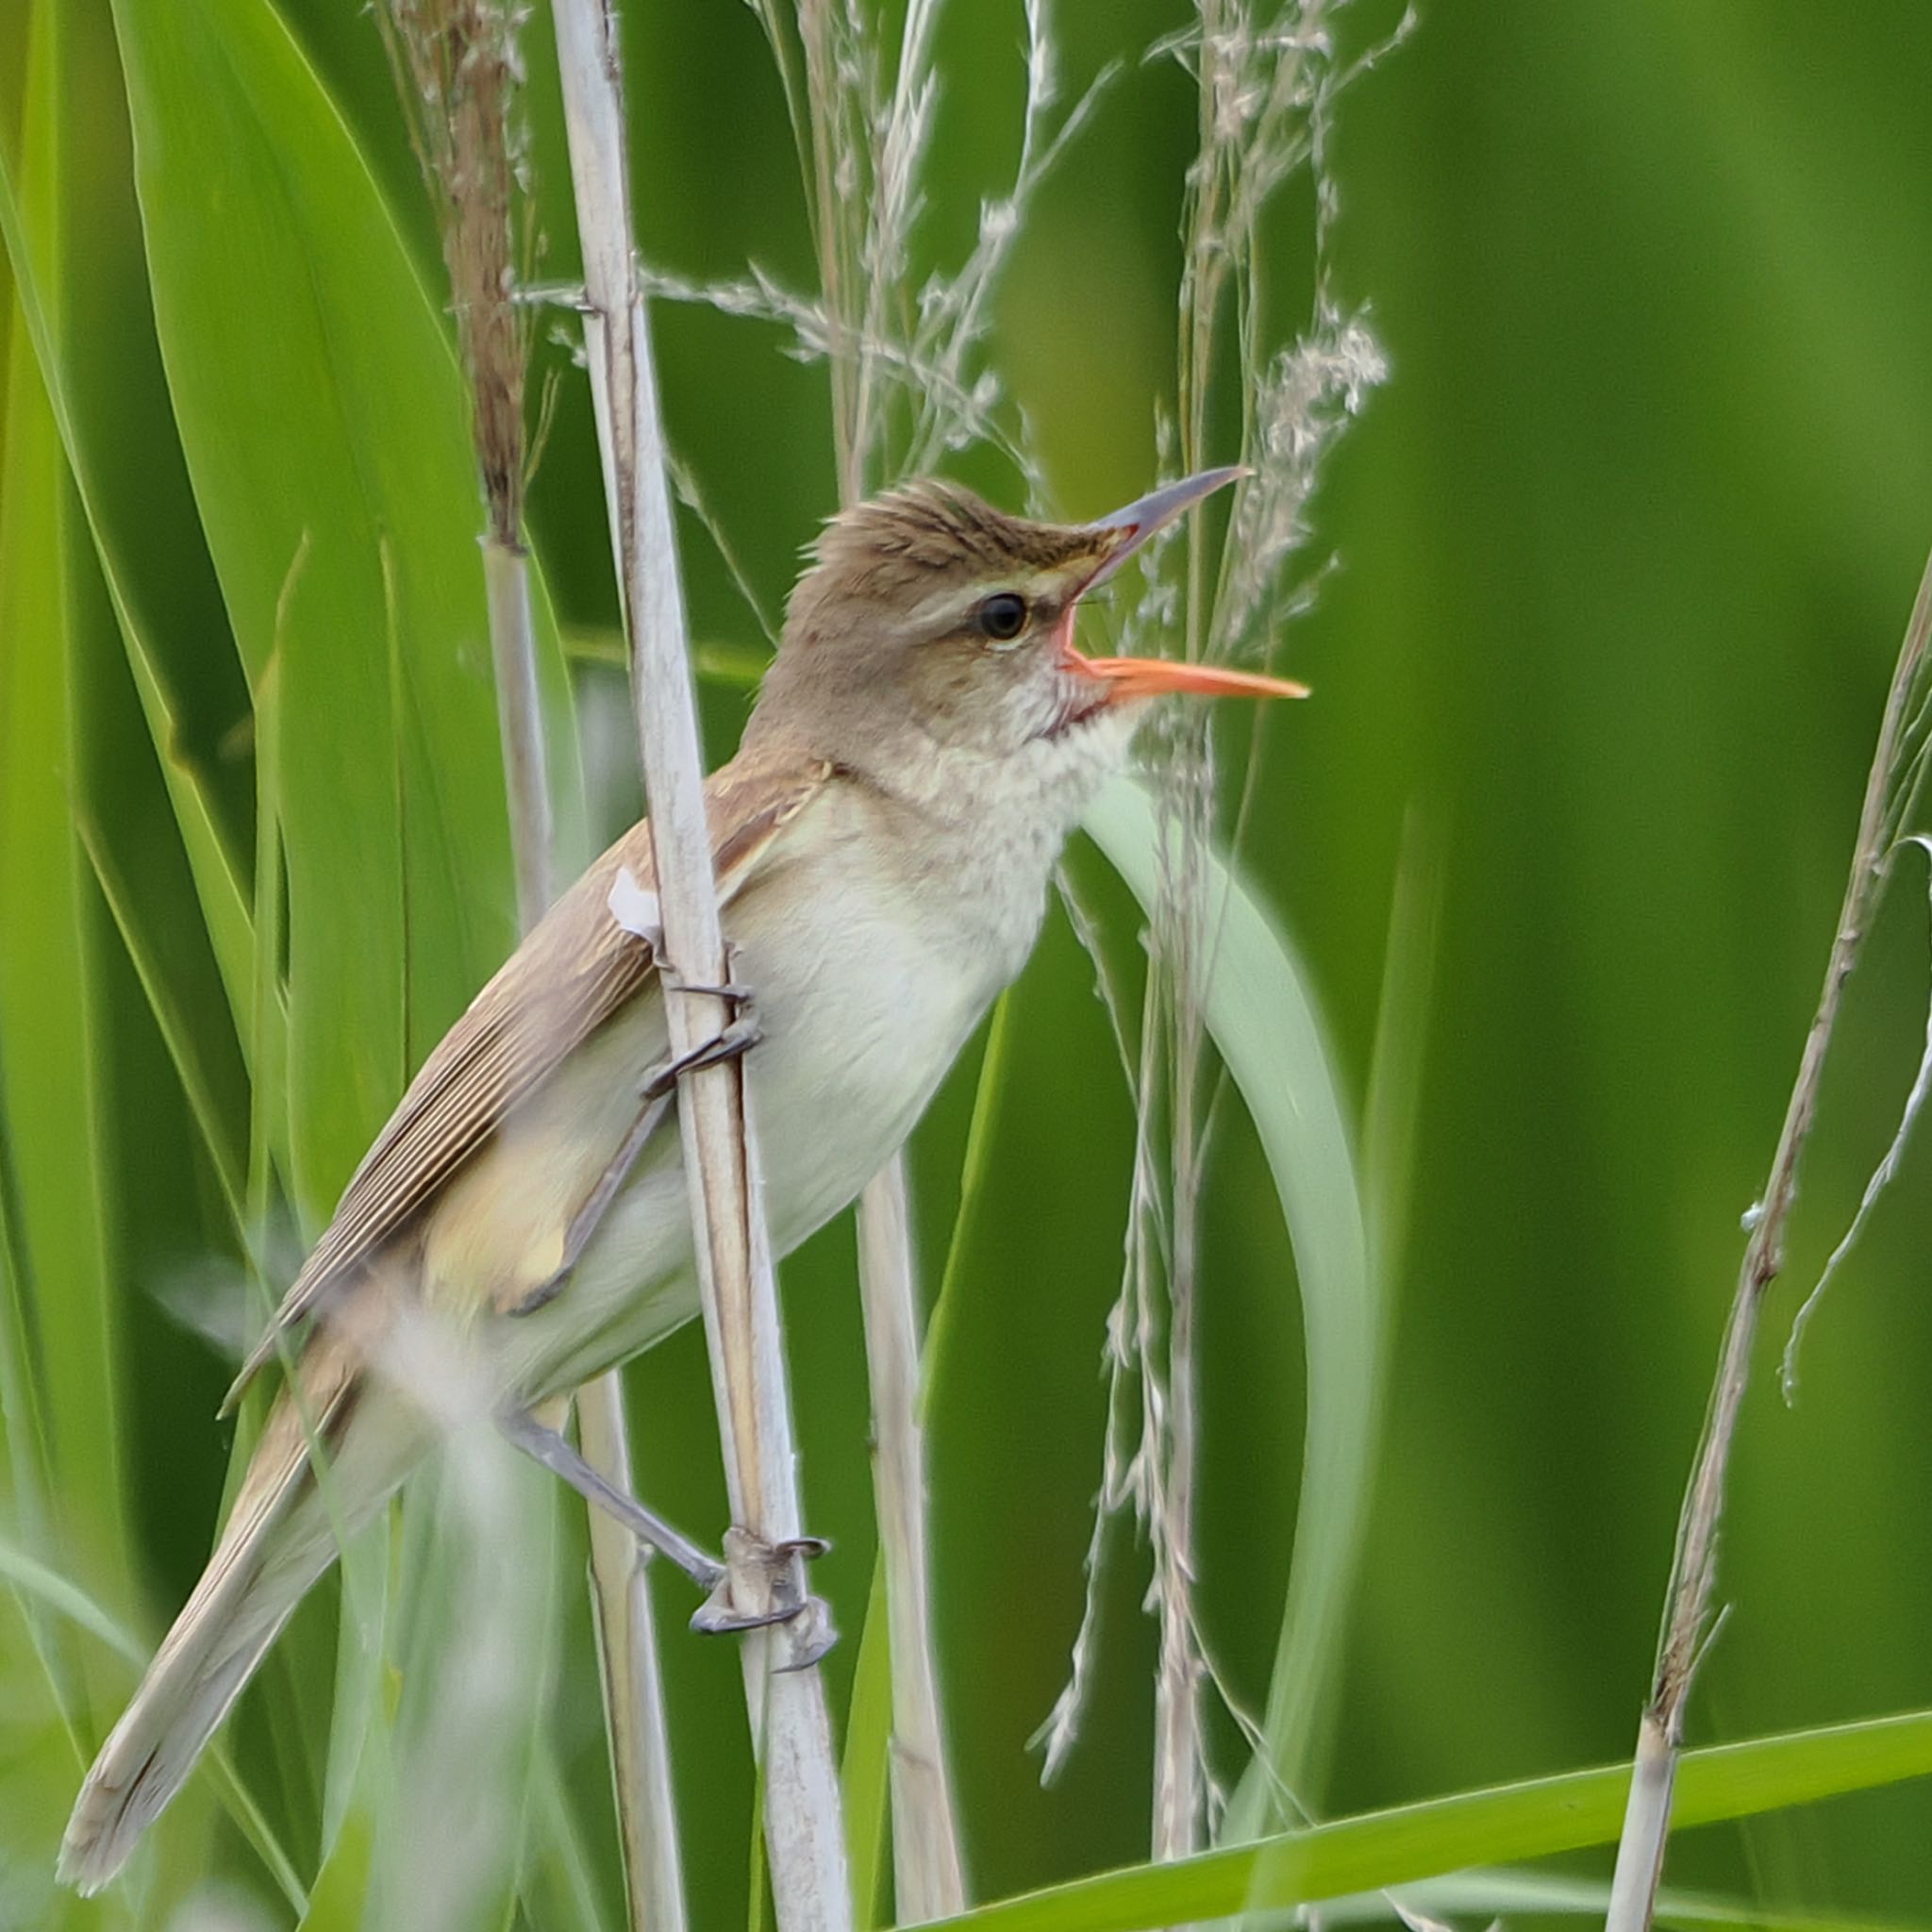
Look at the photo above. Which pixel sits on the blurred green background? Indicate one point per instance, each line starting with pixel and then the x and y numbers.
pixel 1626 545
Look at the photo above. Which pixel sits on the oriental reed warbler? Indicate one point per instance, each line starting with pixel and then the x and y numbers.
pixel 925 740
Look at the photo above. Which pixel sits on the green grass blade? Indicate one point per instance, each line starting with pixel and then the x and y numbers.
pixel 46 1586
pixel 268 1016
pixel 974 1169
pixel 864 1772
pixel 1265 1026
pixel 558 1887
pixel 25 1572
pixel 1396 1065
pixel 217 882
pixel 169 960
pixel 338 1901
pixel 49 990
pixel 284 294
pixel 1498 1826
pixel 1492 1894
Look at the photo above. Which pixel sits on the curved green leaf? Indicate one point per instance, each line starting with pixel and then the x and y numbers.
pixel 323 419
pixel 31 253
pixel 1501 1824
pixel 60 1212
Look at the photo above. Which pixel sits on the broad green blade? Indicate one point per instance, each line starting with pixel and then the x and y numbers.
pixel 31 253
pixel 864 1771
pixel 323 427
pixel 1491 1894
pixel 1502 1824
pixel 1265 1026
pixel 153 907
pixel 323 419
pixel 57 1211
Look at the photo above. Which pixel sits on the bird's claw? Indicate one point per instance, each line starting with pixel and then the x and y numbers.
pixel 733 990
pixel 738 994
pixel 762 1586
pixel 738 1037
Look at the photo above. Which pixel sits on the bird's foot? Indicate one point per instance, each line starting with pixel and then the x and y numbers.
pixel 738 1037
pixel 762 1586
pixel 734 990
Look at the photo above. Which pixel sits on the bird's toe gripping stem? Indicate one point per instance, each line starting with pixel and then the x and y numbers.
pixel 762 1586
pixel 739 1035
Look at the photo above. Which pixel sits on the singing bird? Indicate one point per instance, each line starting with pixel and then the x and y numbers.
pixel 924 739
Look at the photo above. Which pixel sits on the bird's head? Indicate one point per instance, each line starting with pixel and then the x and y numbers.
pixel 934 629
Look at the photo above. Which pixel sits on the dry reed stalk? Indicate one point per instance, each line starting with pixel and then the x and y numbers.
pixel 855 137
pixel 929 1877
pixel 1889 789
pixel 458 70
pixel 633 1678
pixel 804 1824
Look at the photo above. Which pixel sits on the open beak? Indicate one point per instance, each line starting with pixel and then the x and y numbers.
pixel 1151 513
pixel 1147 678
pixel 1152 677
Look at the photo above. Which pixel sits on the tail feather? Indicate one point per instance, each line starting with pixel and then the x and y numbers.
pixel 280 1537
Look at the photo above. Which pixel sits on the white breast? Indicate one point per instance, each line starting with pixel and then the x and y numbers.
pixel 867 980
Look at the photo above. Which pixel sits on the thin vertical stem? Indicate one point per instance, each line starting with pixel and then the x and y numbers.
pixel 928 1874
pixel 927 1869
pixel 803 1826
pixel 520 721
pixel 1693 1568
pixel 633 1681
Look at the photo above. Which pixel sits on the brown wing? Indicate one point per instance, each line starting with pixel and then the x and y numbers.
pixel 575 969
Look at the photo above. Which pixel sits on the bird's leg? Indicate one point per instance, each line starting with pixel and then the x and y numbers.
pixel 654 1097
pixel 763 1582
pixel 760 1584
pixel 543 1444
pixel 756 1586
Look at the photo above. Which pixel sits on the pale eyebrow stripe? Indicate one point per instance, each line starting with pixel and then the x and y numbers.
pixel 948 613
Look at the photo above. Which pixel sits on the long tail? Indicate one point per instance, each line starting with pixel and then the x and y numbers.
pixel 281 1536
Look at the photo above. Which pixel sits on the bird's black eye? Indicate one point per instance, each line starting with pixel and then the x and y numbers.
pixel 1003 616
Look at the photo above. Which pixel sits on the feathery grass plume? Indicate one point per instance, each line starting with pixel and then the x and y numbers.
pixel 910 383
pixel 459 76
pixel 910 380
pixel 1267 84
pixel 860 133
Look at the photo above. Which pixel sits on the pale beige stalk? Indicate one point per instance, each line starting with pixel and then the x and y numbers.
pixel 928 1872
pixel 804 1822
pixel 929 1881
pixel 633 1677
